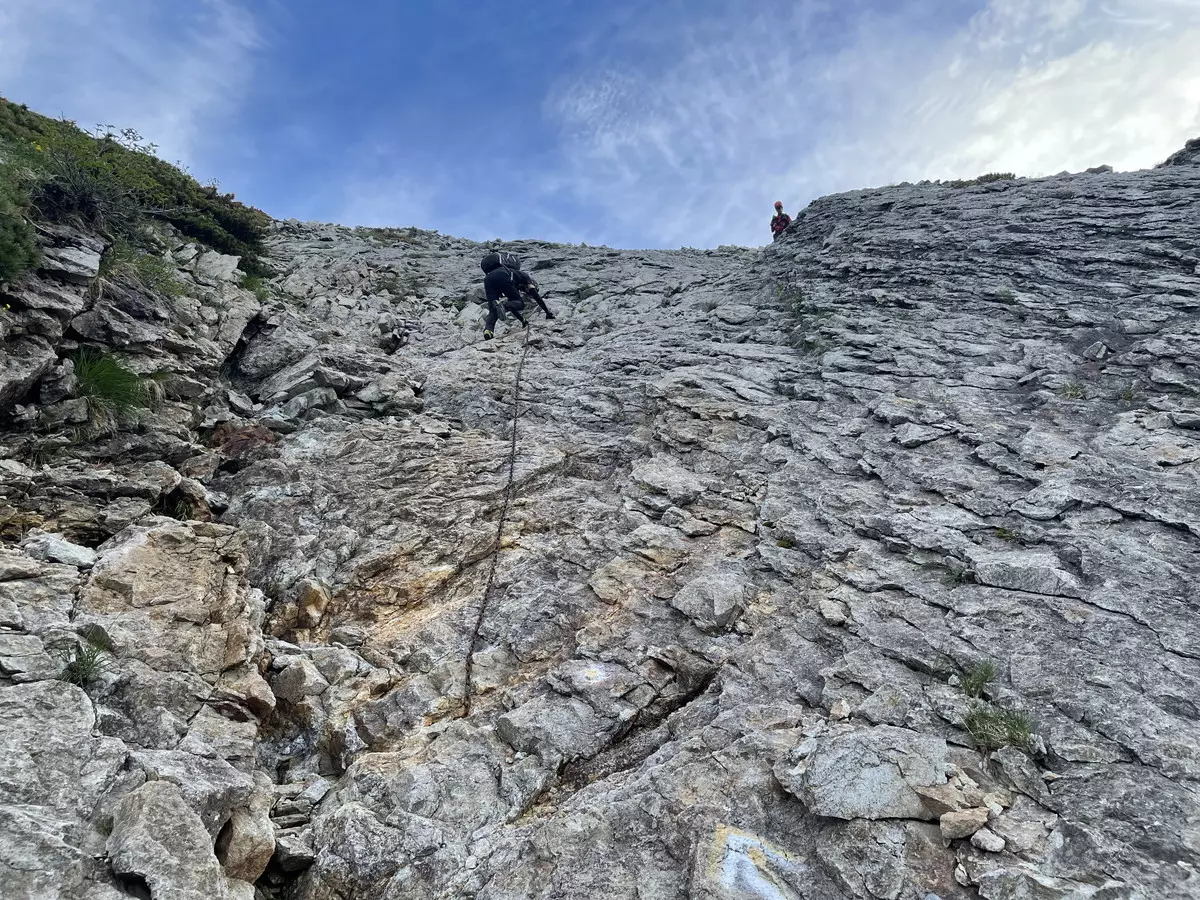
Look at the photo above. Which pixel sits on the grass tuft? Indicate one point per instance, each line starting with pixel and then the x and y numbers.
pixel 84 661
pixel 114 393
pixel 978 677
pixel 150 271
pixel 992 728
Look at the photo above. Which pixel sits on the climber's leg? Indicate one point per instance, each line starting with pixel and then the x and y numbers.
pixel 513 302
pixel 492 288
pixel 517 308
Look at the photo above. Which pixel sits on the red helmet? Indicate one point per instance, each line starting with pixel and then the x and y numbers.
pixel 779 204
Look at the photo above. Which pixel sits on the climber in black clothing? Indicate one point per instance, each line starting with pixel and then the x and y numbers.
pixel 504 278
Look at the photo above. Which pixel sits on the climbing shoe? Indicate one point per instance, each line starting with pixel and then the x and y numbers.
pixel 549 317
pixel 488 335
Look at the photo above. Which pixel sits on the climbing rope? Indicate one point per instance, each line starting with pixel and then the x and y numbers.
pixel 494 553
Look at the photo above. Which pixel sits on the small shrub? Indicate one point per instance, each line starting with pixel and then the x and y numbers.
pixel 252 264
pixel 992 728
pixel 956 576
pixel 258 287
pixel 180 509
pixel 42 455
pixel 793 296
pixel 113 392
pixel 1007 534
pixel 67 191
pixel 814 346
pixel 1006 295
pixel 978 677
pixel 158 274
pixel 786 543
pixel 1073 390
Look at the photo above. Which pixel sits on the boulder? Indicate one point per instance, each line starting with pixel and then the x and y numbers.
pixel 158 841
pixel 715 598
pixel 963 823
pixel 247 841
pixel 52 548
pixel 867 773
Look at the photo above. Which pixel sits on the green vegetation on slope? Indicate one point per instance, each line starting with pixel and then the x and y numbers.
pixel 989 178
pixel 18 244
pixel 54 171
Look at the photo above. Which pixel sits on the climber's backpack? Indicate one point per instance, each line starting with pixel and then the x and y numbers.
pixel 494 259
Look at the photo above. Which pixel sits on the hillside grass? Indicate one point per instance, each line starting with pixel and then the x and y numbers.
pixel 109 180
pixel 989 178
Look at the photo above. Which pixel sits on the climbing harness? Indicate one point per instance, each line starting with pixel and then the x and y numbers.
pixel 494 553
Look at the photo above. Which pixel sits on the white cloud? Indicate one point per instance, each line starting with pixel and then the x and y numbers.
pixel 773 108
pixel 171 71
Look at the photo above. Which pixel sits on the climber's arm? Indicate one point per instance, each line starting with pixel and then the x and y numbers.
pixel 533 292
pixel 529 287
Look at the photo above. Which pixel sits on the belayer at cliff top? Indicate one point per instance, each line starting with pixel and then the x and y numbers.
pixel 780 222
pixel 503 277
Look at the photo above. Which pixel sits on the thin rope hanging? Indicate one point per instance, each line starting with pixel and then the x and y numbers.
pixel 494 553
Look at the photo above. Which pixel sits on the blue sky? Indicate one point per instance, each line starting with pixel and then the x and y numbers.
pixel 624 122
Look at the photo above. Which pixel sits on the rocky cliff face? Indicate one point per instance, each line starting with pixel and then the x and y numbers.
pixel 861 566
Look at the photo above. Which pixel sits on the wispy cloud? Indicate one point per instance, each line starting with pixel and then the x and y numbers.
pixel 172 71
pixel 794 104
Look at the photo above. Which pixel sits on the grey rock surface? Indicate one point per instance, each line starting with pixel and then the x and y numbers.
pixel 772 512
pixel 873 773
